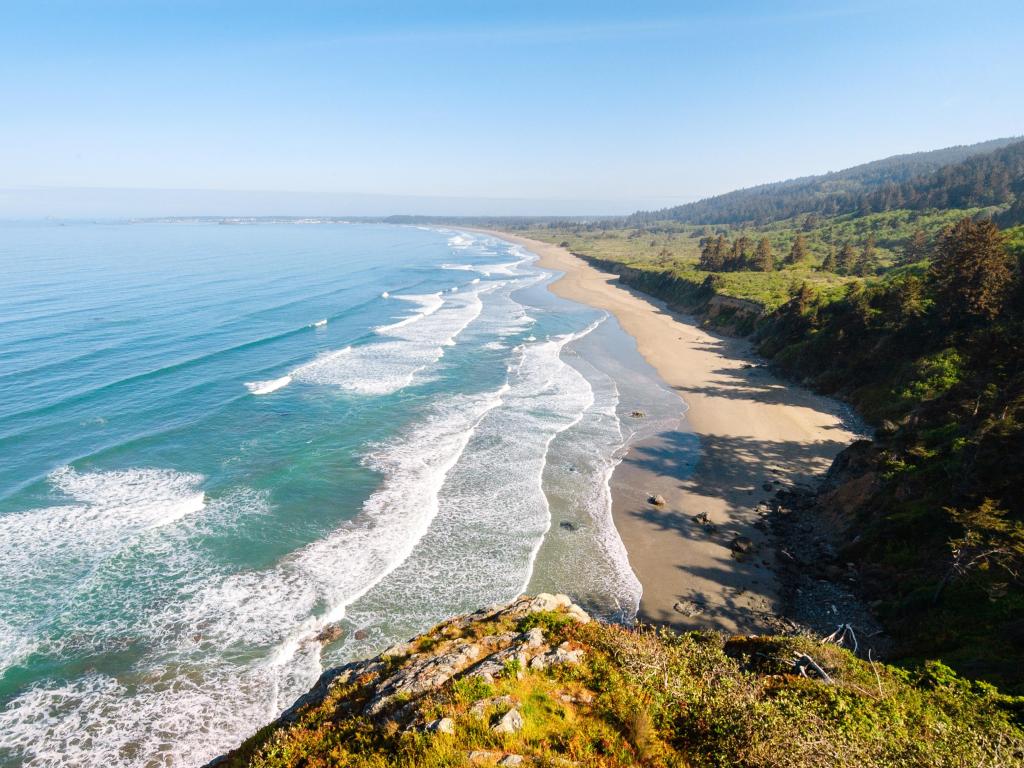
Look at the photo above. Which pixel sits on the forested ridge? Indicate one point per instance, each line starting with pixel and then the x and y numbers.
pixel 941 178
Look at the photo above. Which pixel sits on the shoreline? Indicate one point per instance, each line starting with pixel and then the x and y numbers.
pixel 745 434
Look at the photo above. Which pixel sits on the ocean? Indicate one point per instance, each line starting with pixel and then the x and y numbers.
pixel 234 455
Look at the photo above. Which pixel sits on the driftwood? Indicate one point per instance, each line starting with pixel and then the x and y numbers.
pixel 844 633
pixel 803 662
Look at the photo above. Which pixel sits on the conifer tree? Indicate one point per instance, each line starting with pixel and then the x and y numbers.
pixel 971 273
pixel 845 260
pixel 798 250
pixel 916 248
pixel 829 263
pixel 763 258
pixel 866 262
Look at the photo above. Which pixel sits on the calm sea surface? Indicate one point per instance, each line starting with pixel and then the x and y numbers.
pixel 216 441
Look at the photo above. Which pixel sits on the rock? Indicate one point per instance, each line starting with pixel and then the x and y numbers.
pixel 638 414
pixel 441 725
pixel 479 709
pixel 741 544
pixel 511 722
pixel 688 608
pixel 483 757
pixel 422 675
pixel 578 613
pixel 398 650
pixel 565 525
pixel 361 634
pixel 511 760
pixel 523 649
pixel 657 500
pixel 563 654
pixel 767 485
pixel 329 634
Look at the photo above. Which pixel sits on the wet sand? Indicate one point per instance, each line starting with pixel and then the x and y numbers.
pixel 746 433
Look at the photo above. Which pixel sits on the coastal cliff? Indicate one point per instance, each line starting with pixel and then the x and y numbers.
pixel 538 683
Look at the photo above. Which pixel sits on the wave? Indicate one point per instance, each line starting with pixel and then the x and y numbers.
pixel 409 347
pixel 47 555
pixel 187 680
pixel 485 535
pixel 319 323
pixel 268 386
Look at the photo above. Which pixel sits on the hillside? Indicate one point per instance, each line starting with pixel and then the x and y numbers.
pixel 915 317
pixel 834 193
pixel 537 683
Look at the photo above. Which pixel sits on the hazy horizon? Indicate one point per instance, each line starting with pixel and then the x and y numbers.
pixel 125 109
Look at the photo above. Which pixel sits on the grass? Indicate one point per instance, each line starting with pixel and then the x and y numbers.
pixel 646 698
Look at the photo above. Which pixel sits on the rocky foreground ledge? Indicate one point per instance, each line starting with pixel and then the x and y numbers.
pixel 538 683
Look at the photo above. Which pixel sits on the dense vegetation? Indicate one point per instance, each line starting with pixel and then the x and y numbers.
pixel 916 317
pixel 904 181
pixel 638 698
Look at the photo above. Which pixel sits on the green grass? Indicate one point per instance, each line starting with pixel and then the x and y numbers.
pixel 646 698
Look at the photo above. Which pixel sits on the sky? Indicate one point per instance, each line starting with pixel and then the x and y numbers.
pixel 371 108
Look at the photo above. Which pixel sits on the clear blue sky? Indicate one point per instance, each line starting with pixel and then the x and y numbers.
pixel 613 104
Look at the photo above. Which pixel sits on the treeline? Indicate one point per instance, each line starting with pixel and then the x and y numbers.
pixel 911 181
pixel 989 180
pixel 938 361
pixel 720 254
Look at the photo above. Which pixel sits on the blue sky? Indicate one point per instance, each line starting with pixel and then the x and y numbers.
pixel 510 107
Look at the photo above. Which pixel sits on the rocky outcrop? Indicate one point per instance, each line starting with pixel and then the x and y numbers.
pixel 390 685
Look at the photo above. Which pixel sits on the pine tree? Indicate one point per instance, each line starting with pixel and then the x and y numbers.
pixel 971 273
pixel 846 259
pixel 829 263
pixel 763 258
pixel 916 248
pixel 866 262
pixel 798 250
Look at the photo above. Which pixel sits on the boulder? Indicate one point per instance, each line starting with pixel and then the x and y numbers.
pixel 511 760
pixel 329 634
pixel 484 757
pixel 511 722
pixel 741 544
pixel 480 708
pixel 656 499
pixel 563 654
pixel 441 725
pixel 688 608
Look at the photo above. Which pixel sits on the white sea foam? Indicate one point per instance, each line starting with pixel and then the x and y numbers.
pixel 204 707
pixel 49 555
pixel 489 525
pixel 268 386
pixel 410 346
pixel 385 295
pixel 320 323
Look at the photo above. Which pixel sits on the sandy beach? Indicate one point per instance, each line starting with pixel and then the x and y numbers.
pixel 745 434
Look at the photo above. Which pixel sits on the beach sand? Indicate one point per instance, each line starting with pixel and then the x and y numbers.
pixel 743 429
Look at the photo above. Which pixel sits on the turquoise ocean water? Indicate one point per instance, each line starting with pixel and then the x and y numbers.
pixel 216 441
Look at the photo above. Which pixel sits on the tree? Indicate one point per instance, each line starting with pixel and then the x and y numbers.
pixel 714 252
pixel 846 259
pixel 829 263
pixel 916 248
pixel 989 542
pixel 763 258
pixel 798 250
pixel 866 262
pixel 971 273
